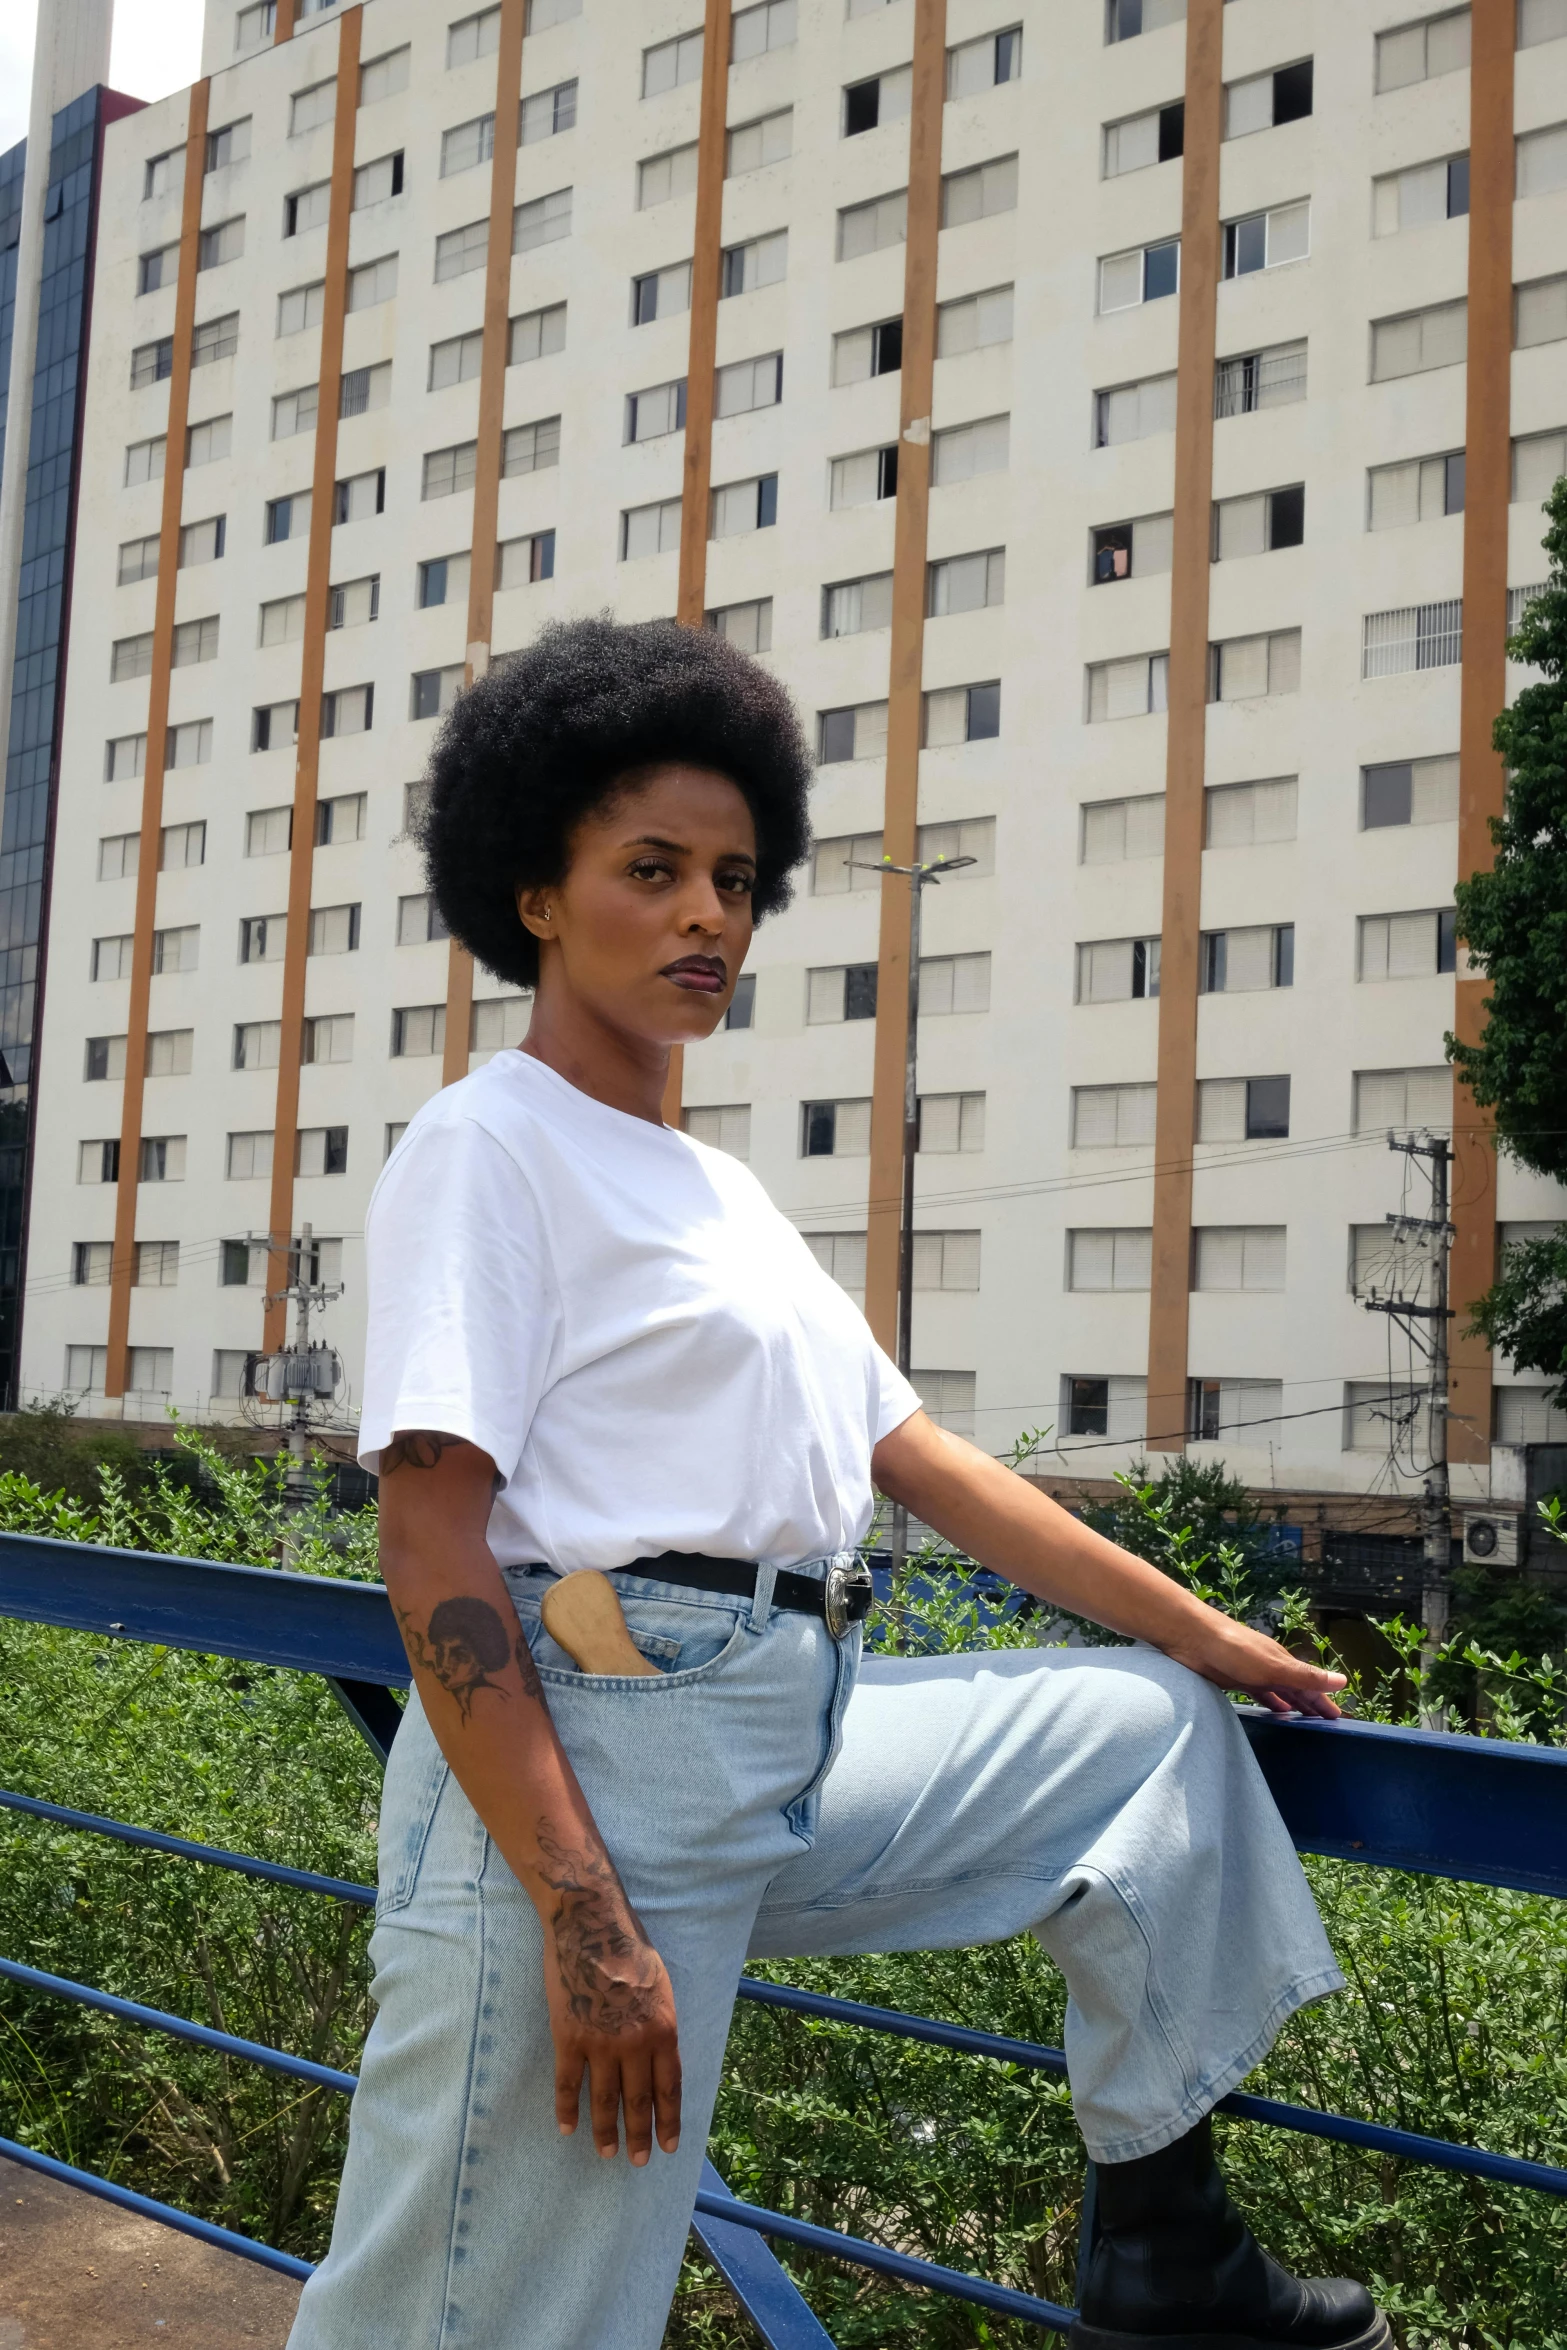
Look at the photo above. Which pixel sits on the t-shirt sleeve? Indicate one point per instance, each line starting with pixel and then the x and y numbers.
pixel 464 1315
pixel 896 1400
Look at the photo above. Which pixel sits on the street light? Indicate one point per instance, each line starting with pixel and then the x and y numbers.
pixel 917 876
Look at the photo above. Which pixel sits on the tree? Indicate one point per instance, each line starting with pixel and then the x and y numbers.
pixel 1513 920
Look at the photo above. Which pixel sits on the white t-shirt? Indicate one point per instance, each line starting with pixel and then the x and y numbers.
pixel 624 1322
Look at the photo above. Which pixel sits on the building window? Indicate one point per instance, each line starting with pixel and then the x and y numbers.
pixel 1134 412
pixel 723 1126
pixel 1238 1256
pixel 748 626
pixel 170 1051
pixel 747 384
pixel 371 283
pixel 866 351
pixel 855 605
pixel 978 193
pixel 364 388
pixel 194 641
pixel 1379 1417
pixel 351 710
pixel 668 64
pixel 105 1059
pixel 151 362
pixel 1145 273
pixel 1540 20
pixel 150 1370
pixel 130 656
pixel 156 1266
pixel 530 448
pixel 138 560
pixel 111 957
pixel 308 109
pixel 383 77
pixel 144 459
pixel 966 583
pixel 1539 459
pixel 1128 689
pixel 1112 1117
pixel 1526 1415
pixel 1267 240
pixel 884 98
pixel 960 714
pixel 1248 815
pixel 1406 946
pixel 180 846
pixel 537 334
pixel 752 145
pixel 1159 136
pixel 375 182
pixel 472 37
pixel 119 856
pixel 274 726
pixel 742 1004
pixel 1244 668
pixel 1110 1259
pixel 328 1038
pixel 652 414
pixel 162 1158
pixel 418 1032
pixel 1125 19
pixel 261 938
pixel 761 261
pixel 1386 1100
pixel 975 66
pixel 98 1162
pixel 125 758
pixel 1116 832
pixel 432 691
pixel 321 1150
pixel 1419 52
pixel 282 621
pixel 840 866
pixel 461 250
pixel 1266 99
pixel 1243 1408
pixel 446 471
pixel 307 208
pixel 1420 195
pixel 861 480
pixel 90 1264
pixel 1419 340
pixel 1419 490
pixel 354 603
pixel 841 1256
pixel 248 1156
pixel 163 175
pixel 1274 378
pixel 1112 1408
pixel 269 832
pixel 1117 970
pixel 334 930
pixel 419 920
pixel 1409 791
pixel 255 25
pixel 1139 549
pixel 753 31
pixel 858 732
pixel 524 562
pixel 661 293
pixel 1235 962
pixel 188 744
pixel 87 1367
pixel 202 542
pixel 835 1130
pixel 947 1398
pixel 1243 1109
pixel 951 1122
pixel 1541 162
pixel 841 991
pixel 741 506
pixel 287 518
pixel 873 227
pixel 340 819
pixel 975 322
pixel 467 145
pixel 497 1023
pixel 649 530
pixel 660 178
pixel 953 983
pixel 295 412
pixel 154 270
pixel 547 113
pixel 1539 313
pixel 1416 636
pixel 1258 524
pixel 963 451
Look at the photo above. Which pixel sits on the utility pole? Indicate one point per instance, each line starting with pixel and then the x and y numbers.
pixel 918 876
pixel 304 1377
pixel 1425 1323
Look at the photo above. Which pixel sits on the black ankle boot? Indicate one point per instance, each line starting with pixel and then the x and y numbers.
pixel 1175 2265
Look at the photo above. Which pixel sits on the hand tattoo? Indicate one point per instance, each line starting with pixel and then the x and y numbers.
pixel 607 1965
pixel 464 1643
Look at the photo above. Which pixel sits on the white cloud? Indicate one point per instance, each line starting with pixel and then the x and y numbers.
pixel 156 49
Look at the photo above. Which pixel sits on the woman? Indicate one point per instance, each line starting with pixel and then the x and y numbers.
pixel 594 1343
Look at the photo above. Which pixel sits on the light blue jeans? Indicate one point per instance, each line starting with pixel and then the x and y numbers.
pixel 769 1795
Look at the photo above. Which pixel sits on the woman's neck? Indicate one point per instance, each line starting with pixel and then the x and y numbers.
pixel 623 1072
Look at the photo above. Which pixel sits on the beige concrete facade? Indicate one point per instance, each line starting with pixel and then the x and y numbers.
pixel 1363 249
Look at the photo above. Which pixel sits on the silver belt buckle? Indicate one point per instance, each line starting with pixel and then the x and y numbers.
pixel 841 1593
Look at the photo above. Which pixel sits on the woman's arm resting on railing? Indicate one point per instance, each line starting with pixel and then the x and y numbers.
pixel 612 2012
pixel 1015 1530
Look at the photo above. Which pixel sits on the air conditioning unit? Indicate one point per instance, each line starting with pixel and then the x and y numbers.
pixel 1493 1538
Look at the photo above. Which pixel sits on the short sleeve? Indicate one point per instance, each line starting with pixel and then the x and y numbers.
pixel 464 1316
pixel 896 1399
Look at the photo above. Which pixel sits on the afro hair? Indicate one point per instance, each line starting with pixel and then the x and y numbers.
pixel 544 739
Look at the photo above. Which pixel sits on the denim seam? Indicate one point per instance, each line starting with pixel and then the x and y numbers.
pixel 482 1919
pixel 913 1885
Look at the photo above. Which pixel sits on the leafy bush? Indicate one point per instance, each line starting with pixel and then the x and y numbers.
pixel 1453 2024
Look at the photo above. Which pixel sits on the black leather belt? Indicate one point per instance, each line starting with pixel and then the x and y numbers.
pixel 841 1598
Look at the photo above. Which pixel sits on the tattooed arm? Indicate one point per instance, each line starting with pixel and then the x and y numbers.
pixel 612 2013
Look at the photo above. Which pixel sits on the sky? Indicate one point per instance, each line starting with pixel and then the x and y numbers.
pixel 157 48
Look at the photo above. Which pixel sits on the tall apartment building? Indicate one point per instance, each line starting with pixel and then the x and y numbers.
pixel 1122 425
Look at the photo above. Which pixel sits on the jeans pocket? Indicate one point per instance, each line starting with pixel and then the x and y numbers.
pixel 415 1777
pixel 804 1812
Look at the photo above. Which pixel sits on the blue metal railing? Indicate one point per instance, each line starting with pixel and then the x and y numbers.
pixel 1473 1809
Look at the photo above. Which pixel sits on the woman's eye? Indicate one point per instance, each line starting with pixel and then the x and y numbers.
pixel 649 869
pixel 739 884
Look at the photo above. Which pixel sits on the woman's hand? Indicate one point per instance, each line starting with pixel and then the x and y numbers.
pixel 612 2012
pixel 1236 1657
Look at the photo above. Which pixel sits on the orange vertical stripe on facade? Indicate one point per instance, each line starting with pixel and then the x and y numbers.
pixel 900 798
pixel 701 362
pixel 487 470
pixel 284 21
pixel 1487 490
pixel 307 757
pixel 1181 918
pixel 122 1262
